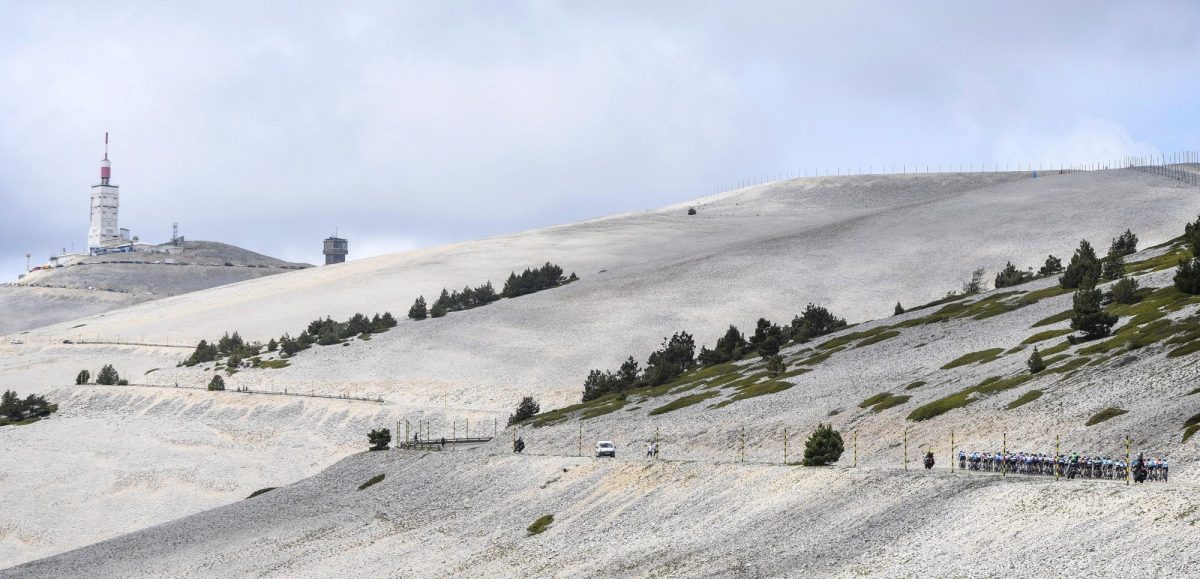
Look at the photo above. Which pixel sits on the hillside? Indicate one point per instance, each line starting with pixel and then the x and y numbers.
pixel 855 244
pixel 97 284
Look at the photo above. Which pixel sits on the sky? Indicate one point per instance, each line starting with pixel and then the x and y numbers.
pixel 271 125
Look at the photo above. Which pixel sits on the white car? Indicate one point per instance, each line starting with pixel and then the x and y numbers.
pixel 606 448
pixel 16 341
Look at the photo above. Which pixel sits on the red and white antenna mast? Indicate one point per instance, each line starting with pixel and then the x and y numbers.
pixel 105 166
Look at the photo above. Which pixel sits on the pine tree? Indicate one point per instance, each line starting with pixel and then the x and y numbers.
pixel 1052 266
pixel 108 376
pixel 525 410
pixel 10 405
pixel 1084 268
pixel 1191 236
pixel 272 345
pixel 83 377
pixel 975 284
pixel 217 383
pixel 628 373
pixel 1088 317
pixel 1125 244
pixel 438 310
pixel 418 310
pixel 815 321
pixel 1187 276
pixel 899 309
pixel 1035 362
pixel 823 447
pixel 379 439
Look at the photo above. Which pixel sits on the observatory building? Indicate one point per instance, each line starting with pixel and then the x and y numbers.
pixel 104 233
pixel 336 249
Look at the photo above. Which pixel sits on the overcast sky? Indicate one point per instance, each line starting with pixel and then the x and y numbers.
pixel 271 124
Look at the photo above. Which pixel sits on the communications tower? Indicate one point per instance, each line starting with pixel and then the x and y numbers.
pixel 104 232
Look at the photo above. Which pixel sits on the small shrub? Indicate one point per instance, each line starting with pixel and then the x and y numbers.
pixel 122 382
pixel 217 383
pixel 1035 362
pixel 1105 414
pixel 540 525
pixel 974 285
pixel 915 385
pixel 824 446
pixel 370 482
pixel 899 309
pixel 1052 266
pixel 82 377
pixel 1010 276
pixel 1125 291
pixel 776 366
pixel 691 210
pixel 526 409
pixel 379 439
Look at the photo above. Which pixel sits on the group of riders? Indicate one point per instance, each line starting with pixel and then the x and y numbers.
pixel 1070 465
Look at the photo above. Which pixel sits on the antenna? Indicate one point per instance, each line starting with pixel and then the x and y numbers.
pixel 105 145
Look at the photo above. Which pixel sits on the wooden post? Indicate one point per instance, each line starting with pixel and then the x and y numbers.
pixel 453 433
pixel 1004 454
pixel 406 439
pixel 905 449
pixel 785 446
pixel 742 446
pixel 951 452
pixel 855 443
pixel 580 440
pixel 656 443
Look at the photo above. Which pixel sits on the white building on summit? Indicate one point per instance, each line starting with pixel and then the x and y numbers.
pixel 104 233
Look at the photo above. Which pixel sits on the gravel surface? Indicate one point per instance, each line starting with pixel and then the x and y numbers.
pixel 465 514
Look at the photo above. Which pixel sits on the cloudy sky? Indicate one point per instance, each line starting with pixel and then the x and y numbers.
pixel 271 124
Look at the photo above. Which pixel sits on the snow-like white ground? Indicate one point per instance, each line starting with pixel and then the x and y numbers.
pixel 856 244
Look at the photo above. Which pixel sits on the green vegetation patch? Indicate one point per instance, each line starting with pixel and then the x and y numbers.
pixel 883 401
pixel 754 390
pixel 915 385
pixel 981 357
pixel 1071 365
pixel 1062 346
pixel 611 405
pixel 148 372
pixel 845 339
pixel 1025 398
pixel 1056 318
pixel 881 336
pixel 1165 261
pixel 1046 335
pixel 992 385
pixel 373 480
pixel 540 525
pixel 275 364
pixel 1036 296
pixel 683 402
pixel 1105 414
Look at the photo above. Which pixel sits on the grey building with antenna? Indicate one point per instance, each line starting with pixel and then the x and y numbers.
pixel 336 249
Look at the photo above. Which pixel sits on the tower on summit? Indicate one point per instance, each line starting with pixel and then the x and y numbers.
pixel 336 249
pixel 104 232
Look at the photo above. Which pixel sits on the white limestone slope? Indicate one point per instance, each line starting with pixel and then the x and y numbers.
pixel 855 244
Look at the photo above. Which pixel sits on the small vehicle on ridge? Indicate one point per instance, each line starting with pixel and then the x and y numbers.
pixel 606 448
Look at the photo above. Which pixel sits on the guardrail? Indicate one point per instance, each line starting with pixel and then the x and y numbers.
pixel 376 400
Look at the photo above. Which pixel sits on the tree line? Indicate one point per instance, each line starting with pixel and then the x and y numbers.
pixel 678 353
pixel 322 331
pixel 529 281
pixel 14 409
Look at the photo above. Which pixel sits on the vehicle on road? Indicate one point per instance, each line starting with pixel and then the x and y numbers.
pixel 16 341
pixel 606 448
